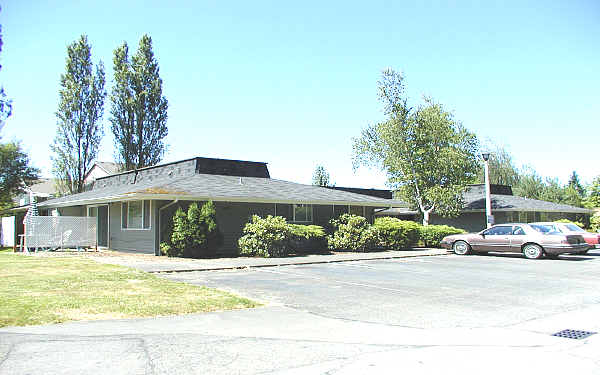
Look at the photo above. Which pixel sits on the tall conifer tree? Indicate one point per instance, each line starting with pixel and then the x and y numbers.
pixel 80 109
pixel 139 109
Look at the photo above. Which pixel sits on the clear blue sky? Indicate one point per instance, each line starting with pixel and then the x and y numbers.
pixel 291 84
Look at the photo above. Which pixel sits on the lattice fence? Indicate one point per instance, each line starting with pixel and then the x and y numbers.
pixel 60 232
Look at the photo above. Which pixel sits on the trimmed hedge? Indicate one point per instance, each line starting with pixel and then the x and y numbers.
pixel 194 233
pixel 431 235
pixel 353 233
pixel 595 222
pixel 274 237
pixel 308 238
pixel 268 237
pixel 397 234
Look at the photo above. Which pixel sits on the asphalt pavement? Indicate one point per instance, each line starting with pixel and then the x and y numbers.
pixel 450 314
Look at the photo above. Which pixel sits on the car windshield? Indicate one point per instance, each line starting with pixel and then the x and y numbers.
pixel 543 228
pixel 573 228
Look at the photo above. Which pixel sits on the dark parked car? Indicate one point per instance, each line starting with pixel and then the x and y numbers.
pixel 516 238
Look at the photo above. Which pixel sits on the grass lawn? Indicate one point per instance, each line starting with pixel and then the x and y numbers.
pixel 40 290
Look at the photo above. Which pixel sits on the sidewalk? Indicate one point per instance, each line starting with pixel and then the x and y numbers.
pixel 154 264
pixel 281 340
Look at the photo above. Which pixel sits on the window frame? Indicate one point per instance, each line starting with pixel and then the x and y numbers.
pixel 310 206
pixel 125 224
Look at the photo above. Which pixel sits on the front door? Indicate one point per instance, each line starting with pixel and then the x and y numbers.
pixel 101 215
pixel 102 226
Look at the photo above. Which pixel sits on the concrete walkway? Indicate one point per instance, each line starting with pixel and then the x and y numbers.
pixel 154 264
pixel 280 340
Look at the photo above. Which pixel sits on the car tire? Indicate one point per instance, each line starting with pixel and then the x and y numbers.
pixel 461 248
pixel 533 251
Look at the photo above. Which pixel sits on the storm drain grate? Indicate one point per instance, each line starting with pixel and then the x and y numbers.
pixel 573 334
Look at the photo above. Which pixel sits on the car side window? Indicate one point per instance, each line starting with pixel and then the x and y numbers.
pixel 518 231
pixel 498 231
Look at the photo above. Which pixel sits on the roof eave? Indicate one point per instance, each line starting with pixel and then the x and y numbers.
pixel 137 196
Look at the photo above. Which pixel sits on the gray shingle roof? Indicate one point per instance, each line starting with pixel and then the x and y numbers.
pixel 475 200
pixel 515 203
pixel 221 188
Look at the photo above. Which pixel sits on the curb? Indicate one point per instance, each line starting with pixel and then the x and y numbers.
pixel 201 269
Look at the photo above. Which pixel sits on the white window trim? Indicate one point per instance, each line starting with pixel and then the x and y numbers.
pixel 143 214
pixel 302 221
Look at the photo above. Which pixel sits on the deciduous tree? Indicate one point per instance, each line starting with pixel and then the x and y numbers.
pixel 79 114
pixel 428 156
pixel 139 109
pixel 15 172
pixel 501 166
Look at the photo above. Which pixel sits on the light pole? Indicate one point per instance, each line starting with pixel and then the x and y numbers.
pixel 489 219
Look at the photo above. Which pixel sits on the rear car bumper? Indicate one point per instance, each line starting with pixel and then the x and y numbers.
pixel 563 249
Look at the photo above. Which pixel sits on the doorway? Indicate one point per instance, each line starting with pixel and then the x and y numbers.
pixel 101 215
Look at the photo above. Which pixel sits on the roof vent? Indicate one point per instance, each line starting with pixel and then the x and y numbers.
pixel 241 182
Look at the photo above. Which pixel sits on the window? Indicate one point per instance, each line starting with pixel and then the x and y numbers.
pixel 500 230
pixel 356 210
pixel 135 215
pixel 518 231
pixel 302 212
pixel 523 217
pixel 339 210
pixel 284 210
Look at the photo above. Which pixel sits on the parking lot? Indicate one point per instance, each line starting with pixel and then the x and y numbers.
pixel 425 314
pixel 495 290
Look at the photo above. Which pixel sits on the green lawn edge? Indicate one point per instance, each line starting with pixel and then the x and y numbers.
pixel 45 290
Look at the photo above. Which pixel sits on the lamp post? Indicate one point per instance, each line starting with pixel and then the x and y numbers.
pixel 489 219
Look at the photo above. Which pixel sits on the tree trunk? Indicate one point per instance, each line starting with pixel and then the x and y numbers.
pixel 426 217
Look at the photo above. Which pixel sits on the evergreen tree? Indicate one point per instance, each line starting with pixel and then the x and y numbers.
pixel 139 110
pixel 321 177
pixel 592 200
pixel 80 109
pixel 575 184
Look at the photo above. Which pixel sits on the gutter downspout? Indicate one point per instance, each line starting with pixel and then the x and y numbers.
pixel 157 248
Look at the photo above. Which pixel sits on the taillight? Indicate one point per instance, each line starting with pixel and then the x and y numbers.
pixel 564 241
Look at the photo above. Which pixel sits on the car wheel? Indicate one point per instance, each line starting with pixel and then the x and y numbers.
pixel 533 251
pixel 461 248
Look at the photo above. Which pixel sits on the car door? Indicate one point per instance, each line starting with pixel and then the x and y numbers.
pixel 517 238
pixel 496 238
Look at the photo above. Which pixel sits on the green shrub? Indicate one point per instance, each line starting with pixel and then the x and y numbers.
pixel 431 235
pixel 268 237
pixel 578 223
pixel 353 233
pixel 595 223
pixel 195 233
pixel 308 238
pixel 397 234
